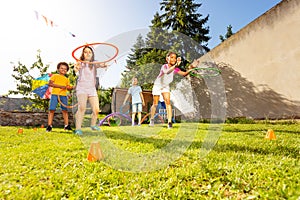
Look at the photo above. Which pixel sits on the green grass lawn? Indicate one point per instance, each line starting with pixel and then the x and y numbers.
pixel 242 164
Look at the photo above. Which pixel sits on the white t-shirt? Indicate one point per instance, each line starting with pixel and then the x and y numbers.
pixel 135 91
pixel 164 79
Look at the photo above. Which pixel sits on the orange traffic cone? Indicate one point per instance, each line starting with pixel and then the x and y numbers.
pixel 95 153
pixel 270 135
pixel 34 129
pixel 42 126
pixel 20 131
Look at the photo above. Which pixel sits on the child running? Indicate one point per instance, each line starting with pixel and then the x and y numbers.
pixel 60 84
pixel 162 85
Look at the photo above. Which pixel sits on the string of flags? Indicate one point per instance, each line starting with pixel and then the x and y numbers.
pixel 49 22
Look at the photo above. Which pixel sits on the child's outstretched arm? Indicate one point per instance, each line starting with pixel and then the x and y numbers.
pixel 194 64
pixel 101 65
pixel 190 68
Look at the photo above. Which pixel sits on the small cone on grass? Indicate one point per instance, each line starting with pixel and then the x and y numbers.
pixel 270 135
pixel 20 130
pixel 42 126
pixel 34 129
pixel 95 153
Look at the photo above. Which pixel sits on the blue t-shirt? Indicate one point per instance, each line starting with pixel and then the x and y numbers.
pixel 135 91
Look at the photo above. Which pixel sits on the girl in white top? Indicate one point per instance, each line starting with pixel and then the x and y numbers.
pixel 86 88
pixel 162 85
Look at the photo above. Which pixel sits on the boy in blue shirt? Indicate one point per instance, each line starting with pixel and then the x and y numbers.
pixel 137 100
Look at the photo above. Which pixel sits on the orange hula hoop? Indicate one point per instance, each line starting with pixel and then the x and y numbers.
pixel 64 105
pixel 97 43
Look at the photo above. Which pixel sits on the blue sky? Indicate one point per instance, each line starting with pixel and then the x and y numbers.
pixel 97 21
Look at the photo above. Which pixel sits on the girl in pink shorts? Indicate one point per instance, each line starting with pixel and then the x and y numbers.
pixel 86 88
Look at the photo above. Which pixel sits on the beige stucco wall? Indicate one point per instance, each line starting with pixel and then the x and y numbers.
pixel 260 65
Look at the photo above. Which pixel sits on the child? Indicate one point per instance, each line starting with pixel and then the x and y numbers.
pixel 137 100
pixel 162 85
pixel 60 84
pixel 86 88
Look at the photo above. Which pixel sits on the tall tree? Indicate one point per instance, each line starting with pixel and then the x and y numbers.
pixel 137 52
pixel 182 16
pixel 179 28
pixel 227 35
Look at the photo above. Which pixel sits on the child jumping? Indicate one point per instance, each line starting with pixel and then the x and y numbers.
pixel 60 84
pixel 137 100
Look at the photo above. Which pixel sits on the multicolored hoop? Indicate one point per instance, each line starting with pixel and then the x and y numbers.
pixel 96 43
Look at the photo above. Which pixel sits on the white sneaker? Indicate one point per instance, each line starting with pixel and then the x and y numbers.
pixel 151 122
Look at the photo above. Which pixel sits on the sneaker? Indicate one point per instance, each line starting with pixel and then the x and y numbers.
pixel 95 128
pixel 170 125
pixel 139 124
pixel 78 132
pixel 151 122
pixel 49 128
pixel 68 128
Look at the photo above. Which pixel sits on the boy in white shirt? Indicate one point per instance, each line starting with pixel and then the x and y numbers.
pixel 137 100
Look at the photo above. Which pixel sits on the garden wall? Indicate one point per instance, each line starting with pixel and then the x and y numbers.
pixel 260 66
pixel 22 118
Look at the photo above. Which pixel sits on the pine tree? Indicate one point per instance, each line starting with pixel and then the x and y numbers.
pixel 182 16
pixel 227 35
pixel 137 52
pixel 179 28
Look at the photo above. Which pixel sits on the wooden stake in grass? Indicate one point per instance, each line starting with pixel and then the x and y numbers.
pixel 270 135
pixel 95 153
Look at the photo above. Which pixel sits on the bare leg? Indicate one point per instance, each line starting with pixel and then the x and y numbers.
pixel 82 99
pixel 139 118
pixel 66 117
pixel 94 101
pixel 169 112
pixel 154 105
pixel 132 118
pixel 166 96
pixel 50 117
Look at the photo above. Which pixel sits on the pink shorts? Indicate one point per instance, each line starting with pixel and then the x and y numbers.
pixel 91 92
